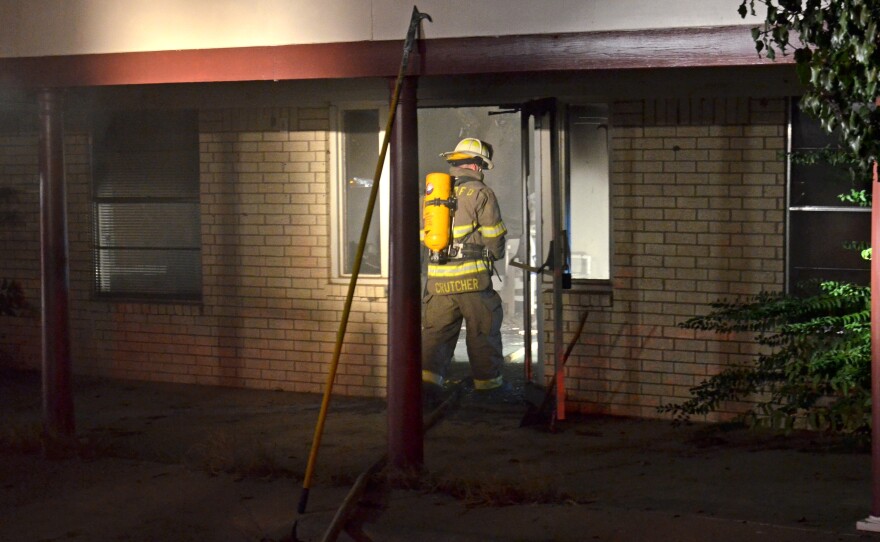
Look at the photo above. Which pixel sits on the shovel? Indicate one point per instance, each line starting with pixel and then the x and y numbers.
pixel 544 413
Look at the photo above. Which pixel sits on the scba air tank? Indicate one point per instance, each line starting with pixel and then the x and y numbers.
pixel 437 213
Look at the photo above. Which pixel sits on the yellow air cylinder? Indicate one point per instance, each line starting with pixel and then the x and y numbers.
pixel 436 211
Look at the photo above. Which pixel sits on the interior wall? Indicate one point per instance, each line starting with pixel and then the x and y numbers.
pixel 440 129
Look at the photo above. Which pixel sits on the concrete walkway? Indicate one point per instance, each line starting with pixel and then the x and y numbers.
pixel 173 462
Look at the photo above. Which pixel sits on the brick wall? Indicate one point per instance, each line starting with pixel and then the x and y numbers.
pixel 698 214
pixel 20 235
pixel 270 313
pixel 698 193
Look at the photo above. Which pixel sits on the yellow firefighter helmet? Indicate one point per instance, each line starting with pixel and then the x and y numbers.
pixel 470 148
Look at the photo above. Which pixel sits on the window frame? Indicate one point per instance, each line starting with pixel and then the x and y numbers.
pixel 567 134
pixel 808 209
pixel 106 118
pixel 337 194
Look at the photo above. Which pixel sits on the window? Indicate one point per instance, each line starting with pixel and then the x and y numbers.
pixel 821 228
pixel 588 205
pixel 359 138
pixel 145 189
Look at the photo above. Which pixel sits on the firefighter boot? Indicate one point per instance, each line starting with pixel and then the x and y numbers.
pixel 503 394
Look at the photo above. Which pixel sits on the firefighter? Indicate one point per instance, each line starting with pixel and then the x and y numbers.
pixel 459 285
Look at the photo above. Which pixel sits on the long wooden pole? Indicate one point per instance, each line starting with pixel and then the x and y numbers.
pixel 346 311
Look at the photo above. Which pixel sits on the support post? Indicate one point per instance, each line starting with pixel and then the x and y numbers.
pixel 872 522
pixel 875 347
pixel 58 419
pixel 405 437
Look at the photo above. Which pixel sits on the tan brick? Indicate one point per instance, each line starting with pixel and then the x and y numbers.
pixel 672 252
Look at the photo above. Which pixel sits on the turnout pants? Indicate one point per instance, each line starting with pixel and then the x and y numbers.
pixel 442 317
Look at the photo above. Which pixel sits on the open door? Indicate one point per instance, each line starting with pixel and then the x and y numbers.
pixel 544 246
pixel 530 182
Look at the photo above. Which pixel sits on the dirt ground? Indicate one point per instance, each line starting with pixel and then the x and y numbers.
pixel 175 462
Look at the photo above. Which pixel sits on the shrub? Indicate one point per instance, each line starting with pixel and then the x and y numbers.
pixel 816 368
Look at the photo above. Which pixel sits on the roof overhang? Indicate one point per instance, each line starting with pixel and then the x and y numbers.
pixel 661 48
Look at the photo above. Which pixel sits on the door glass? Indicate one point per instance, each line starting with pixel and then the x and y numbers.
pixel 588 218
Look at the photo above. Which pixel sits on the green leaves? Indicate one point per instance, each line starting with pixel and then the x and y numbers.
pixel 837 59
pixel 815 369
pixel 816 365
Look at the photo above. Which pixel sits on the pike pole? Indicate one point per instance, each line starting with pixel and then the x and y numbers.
pixel 412 31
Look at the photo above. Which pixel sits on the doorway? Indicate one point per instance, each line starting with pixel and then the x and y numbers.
pixel 552 180
pixel 440 129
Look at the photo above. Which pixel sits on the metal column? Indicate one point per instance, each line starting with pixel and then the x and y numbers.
pixel 58 416
pixel 405 442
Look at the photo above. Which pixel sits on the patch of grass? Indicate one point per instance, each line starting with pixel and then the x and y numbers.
pixel 499 492
pixel 489 491
pixel 222 453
